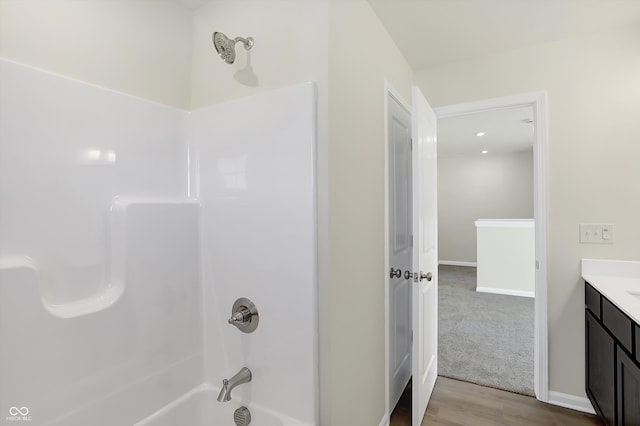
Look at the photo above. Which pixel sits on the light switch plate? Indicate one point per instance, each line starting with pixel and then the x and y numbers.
pixel 596 233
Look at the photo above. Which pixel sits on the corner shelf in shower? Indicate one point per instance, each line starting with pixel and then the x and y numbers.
pixel 21 282
pixel 21 279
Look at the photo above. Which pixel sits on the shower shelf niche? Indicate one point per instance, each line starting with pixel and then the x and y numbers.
pixel 132 223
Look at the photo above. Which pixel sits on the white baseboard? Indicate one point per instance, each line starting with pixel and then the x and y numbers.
pixel 506 291
pixel 456 263
pixel 385 420
pixel 571 401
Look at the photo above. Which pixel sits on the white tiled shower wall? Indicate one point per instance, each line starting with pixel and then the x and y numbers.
pixel 127 230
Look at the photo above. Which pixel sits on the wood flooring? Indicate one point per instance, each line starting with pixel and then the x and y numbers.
pixel 456 403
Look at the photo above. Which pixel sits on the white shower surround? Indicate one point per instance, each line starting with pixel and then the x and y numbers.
pixel 255 180
pixel 127 230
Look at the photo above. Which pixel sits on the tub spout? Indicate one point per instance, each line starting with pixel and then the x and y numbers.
pixel 243 376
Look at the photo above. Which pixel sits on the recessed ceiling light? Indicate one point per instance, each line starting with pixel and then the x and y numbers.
pixel 485 151
pixel 480 134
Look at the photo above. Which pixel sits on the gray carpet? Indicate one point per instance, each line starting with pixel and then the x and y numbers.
pixel 484 338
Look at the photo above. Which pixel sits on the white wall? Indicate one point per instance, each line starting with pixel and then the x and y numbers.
pixel 96 291
pixel 140 47
pixel 352 365
pixel 506 256
pixel 160 50
pixel 593 100
pixel 256 185
pixel 67 149
pixel 290 47
pixel 98 42
pixel 163 58
pixel 64 186
pixel 478 186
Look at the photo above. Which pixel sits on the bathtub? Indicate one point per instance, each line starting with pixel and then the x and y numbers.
pixel 199 407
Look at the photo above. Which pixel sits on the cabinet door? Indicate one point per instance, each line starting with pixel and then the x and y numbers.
pixel 628 391
pixel 600 366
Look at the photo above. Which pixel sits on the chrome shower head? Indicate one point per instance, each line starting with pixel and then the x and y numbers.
pixel 226 47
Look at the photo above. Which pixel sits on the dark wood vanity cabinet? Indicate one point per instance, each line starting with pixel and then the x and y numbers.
pixel 627 389
pixel 600 359
pixel 611 355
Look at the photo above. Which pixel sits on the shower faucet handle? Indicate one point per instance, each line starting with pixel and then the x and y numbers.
pixel 241 316
pixel 244 315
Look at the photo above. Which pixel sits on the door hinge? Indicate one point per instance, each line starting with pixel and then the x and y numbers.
pixel 411 144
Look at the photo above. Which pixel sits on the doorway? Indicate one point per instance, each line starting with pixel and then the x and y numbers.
pixel 537 101
pixel 486 247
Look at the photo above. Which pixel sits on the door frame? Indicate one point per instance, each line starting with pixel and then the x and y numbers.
pixel 389 90
pixel 538 101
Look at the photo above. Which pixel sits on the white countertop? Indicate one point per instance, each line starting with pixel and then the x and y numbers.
pixel 618 281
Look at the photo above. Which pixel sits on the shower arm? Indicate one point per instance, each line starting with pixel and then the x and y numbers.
pixel 247 42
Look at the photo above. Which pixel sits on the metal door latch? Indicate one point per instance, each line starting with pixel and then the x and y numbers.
pixel 428 276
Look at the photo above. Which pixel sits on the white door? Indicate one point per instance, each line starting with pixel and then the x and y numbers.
pixel 400 248
pixel 425 256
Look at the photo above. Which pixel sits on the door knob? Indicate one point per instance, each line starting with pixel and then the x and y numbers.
pixel 395 273
pixel 408 275
pixel 428 276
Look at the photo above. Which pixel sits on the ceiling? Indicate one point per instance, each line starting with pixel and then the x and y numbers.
pixel 433 32
pixel 192 4
pixel 504 131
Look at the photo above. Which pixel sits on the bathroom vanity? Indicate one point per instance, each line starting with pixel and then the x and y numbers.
pixel 612 339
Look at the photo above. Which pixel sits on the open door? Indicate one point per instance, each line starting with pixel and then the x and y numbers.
pixel 425 256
